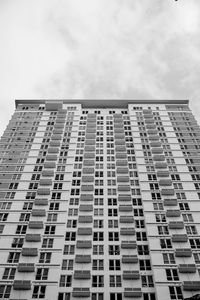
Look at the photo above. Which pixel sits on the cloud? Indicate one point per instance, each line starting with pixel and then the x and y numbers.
pixel 93 49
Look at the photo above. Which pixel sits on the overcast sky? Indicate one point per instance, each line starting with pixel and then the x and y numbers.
pixel 133 49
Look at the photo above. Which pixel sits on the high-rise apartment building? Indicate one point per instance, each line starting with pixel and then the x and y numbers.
pixel 100 200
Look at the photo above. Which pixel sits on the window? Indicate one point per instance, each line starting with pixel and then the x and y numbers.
pixel 5 205
pixel 163 230
pixel 64 296
pixel 45 258
pixel 187 217
pixel 54 206
pixel 3 217
pixel 21 229
pixel 70 236
pixel 30 195
pixel 47 243
pixel 184 206
pixel 172 274
pixel 24 217
pixel 97 296
pixel 74 201
pixel 28 206
pixel 145 264
pixel 112 201
pixel 98 236
pixel 191 230
pixel 52 217
pixel 39 291
pixel 115 296
pixel 67 264
pixel 71 223
pixel 141 236
pixel 196 257
pixel 56 196
pixel 97 264
pixel 17 243
pixel 158 206
pixel 194 243
pixel 98 249
pixel 115 281
pixel 175 292
pixel 114 265
pixel 113 224
pixel 114 250
pixel 98 281
pixel 5 291
pixel 42 274
pixel 65 280
pixel 160 217
pixel 68 249
pixel 137 201
pixel 112 212
pixel 147 281
pixel 13 257
pixel 139 224
pixel 165 243
pixel 50 229
pixel 169 258
pixel 98 212
pixel 9 273
pixel 98 223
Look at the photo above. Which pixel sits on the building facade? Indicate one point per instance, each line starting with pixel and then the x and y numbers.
pixel 100 200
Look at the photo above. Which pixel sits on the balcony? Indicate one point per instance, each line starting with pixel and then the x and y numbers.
pixel 154 138
pixel 160 165
pixel 88 162
pixel 84 244
pixel 152 131
pixel 129 259
pixel 33 237
pixel 85 231
pixel 128 244
pixel 123 179
pixel 38 212
pixel 131 275
pixel 81 292
pixel 55 143
pixel 49 165
pixel 128 208
pixel 48 173
pixel 59 125
pixel 148 116
pixel 89 155
pixel 151 126
pixel 45 181
pixel 167 192
pixel 155 144
pixel 157 150
pixel 88 170
pixel 85 219
pixel 179 238
pixel 56 137
pixel 120 148
pixel 127 231
pixel 86 207
pixel 187 268
pixel 87 188
pixel 170 202
pixel 119 142
pixel 29 251
pixel 82 274
pixel 119 136
pixel 165 182
pixel 191 285
pixel 87 178
pixel 119 130
pixel 35 225
pixel 53 105
pixel 126 219
pixel 163 173
pixel 43 191
pixel 41 201
pixel 90 130
pixel 176 225
pixel 22 285
pixel 26 267
pixel 51 157
pixel 83 259
pixel 122 170
pixel 121 163
pixel 124 197
pixel 121 155
pixel 57 131
pixel 118 125
pixel 173 213
pixel 132 293
pixel 53 150
pixel 89 148
pixel 90 142
pixel 124 188
pixel 86 197
pixel 183 252
pixel 90 136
